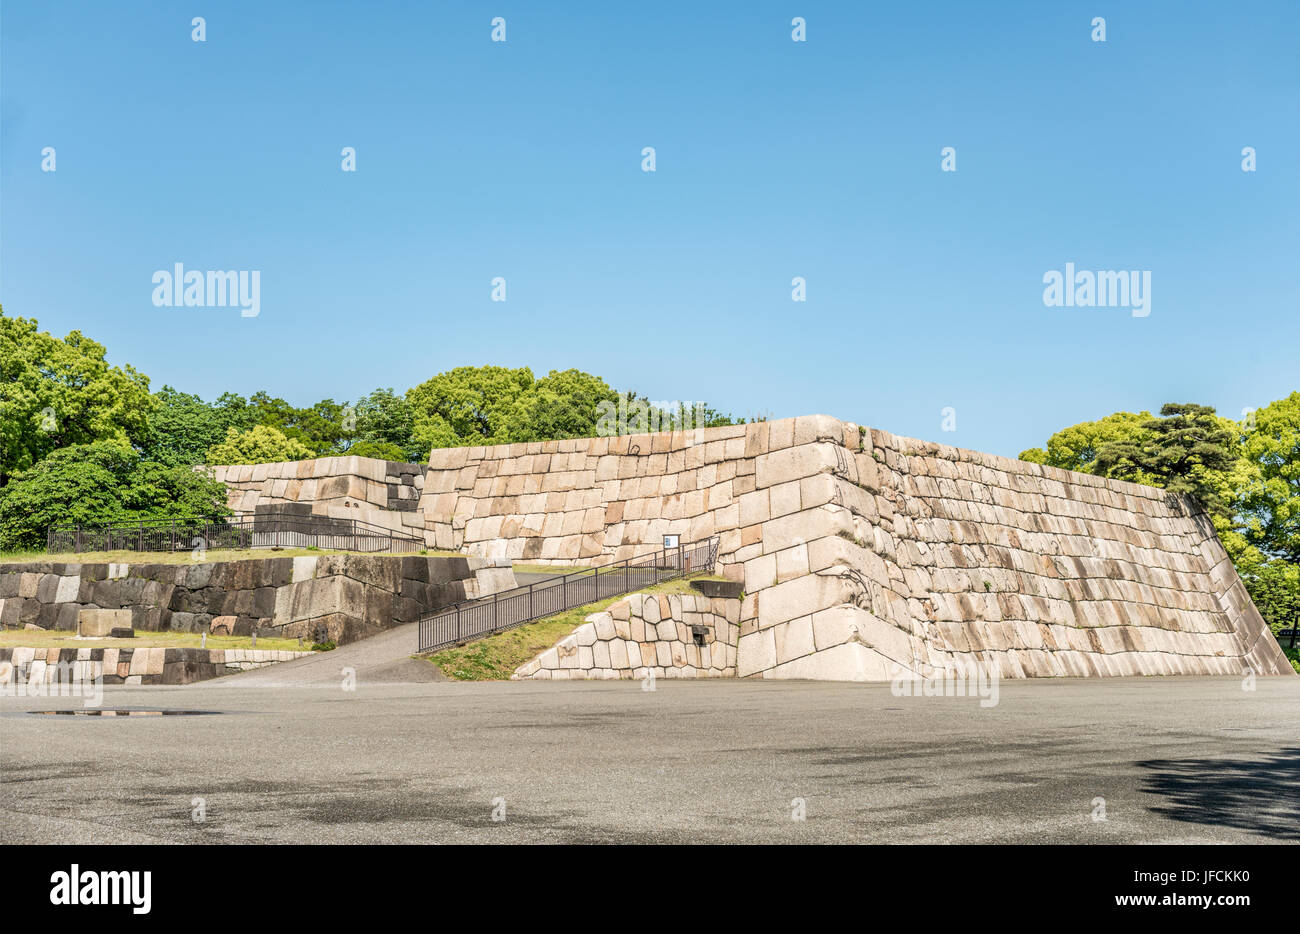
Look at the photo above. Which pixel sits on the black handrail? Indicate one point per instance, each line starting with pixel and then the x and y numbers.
pixel 473 619
pixel 261 530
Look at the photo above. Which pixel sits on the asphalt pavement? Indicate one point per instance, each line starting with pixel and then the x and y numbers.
pixel 1182 760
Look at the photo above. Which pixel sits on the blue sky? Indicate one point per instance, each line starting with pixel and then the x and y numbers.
pixel 774 159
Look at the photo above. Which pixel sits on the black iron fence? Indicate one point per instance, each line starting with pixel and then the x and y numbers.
pixel 257 531
pixel 477 618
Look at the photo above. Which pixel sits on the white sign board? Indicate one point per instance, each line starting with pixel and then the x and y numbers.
pixel 671 541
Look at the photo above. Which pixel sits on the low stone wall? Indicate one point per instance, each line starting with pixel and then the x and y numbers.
pixel 337 597
pixel 21 666
pixel 644 634
pixel 382 493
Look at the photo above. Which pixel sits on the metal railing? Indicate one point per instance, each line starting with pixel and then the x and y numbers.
pixel 266 530
pixel 474 619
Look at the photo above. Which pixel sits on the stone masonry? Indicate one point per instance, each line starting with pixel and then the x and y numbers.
pixel 22 668
pixel 865 555
pixel 340 597
pixel 645 634
pixel 382 493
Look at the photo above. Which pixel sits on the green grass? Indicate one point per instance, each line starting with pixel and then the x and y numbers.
pixel 548 568
pixel 60 639
pixel 495 657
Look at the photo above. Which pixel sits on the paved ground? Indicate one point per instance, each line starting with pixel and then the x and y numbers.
pixel 385 658
pixel 1176 760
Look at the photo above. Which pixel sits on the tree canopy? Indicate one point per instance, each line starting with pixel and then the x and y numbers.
pixel 99 483
pixel 84 441
pixel 260 444
pixel 56 393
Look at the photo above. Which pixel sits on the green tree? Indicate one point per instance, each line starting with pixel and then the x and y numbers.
pixel 562 404
pixel 183 427
pixel 260 444
pixel 100 483
pixel 380 450
pixel 1186 450
pixel 1269 496
pixel 385 418
pixel 467 405
pixel 55 393
pixel 1076 447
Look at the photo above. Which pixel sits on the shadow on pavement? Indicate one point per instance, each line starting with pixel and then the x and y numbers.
pixel 1257 795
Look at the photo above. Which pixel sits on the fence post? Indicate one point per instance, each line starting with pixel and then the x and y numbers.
pixel 496 598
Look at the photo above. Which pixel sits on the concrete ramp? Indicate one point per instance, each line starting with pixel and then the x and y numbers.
pixel 381 659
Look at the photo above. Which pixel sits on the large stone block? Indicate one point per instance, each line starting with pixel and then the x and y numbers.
pixel 99 623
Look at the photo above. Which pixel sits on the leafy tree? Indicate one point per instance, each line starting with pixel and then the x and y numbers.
pixel 495 405
pixel 387 419
pixel 1273 583
pixel 563 404
pixel 258 445
pixel 55 393
pixel 320 427
pixel 1185 450
pixel 380 450
pixel 467 405
pixel 1076 447
pixel 1269 498
pixel 99 483
pixel 183 427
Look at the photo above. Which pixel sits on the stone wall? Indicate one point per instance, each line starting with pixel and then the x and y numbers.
pixel 865 554
pixel 340 597
pixel 644 634
pixel 24 666
pixel 382 493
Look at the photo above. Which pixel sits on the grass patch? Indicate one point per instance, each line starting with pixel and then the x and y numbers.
pixel 185 557
pixel 547 568
pixel 60 639
pixel 495 657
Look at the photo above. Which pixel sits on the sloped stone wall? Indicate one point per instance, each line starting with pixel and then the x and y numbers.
pixel 865 554
pixel 646 634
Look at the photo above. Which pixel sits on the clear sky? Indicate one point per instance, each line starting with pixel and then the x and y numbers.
pixel 774 159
